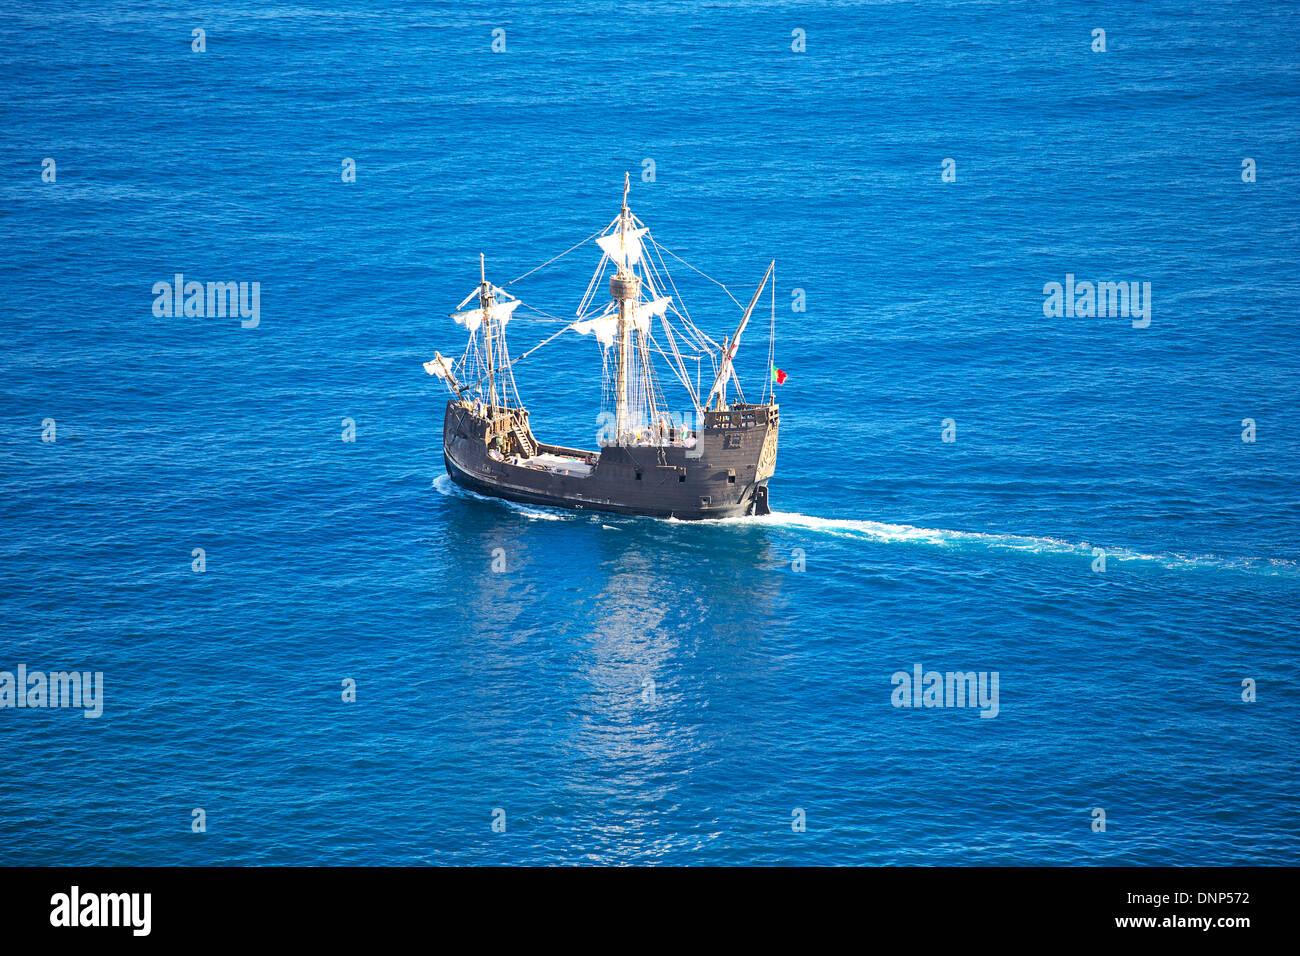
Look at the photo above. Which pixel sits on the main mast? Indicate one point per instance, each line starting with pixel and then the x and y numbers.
pixel 625 287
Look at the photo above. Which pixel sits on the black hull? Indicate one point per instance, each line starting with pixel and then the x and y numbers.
pixel 724 475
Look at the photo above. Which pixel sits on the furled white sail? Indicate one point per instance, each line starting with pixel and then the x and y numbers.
pixel 642 313
pixel 623 247
pixel 604 327
pixel 440 367
pixel 473 318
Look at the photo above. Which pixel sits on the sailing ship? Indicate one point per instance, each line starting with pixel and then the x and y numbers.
pixel 713 461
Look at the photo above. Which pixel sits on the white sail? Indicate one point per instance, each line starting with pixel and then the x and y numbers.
pixel 473 318
pixel 624 248
pixel 440 367
pixel 604 327
pixel 642 313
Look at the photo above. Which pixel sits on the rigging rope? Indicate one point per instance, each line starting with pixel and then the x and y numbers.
pixel 702 342
pixel 706 275
pixel 560 256
pixel 647 395
pixel 540 344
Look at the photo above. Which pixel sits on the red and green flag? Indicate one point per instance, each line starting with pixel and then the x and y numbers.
pixel 778 376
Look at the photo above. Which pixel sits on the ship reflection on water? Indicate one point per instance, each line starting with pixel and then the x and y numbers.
pixel 591 649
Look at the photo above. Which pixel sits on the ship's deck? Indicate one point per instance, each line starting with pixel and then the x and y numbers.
pixel 560 464
pixel 544 461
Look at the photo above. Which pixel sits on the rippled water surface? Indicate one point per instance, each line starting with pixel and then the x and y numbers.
pixel 633 690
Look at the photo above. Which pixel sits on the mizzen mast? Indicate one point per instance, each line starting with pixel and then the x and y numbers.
pixel 725 370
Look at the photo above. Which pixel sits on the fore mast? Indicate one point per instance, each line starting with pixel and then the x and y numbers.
pixel 486 357
pixel 486 300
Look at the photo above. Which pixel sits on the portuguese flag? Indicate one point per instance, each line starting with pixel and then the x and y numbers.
pixel 778 376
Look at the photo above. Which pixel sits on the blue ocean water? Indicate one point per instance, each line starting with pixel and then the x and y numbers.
pixel 628 690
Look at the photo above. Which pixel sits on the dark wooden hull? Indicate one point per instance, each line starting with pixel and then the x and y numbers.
pixel 724 475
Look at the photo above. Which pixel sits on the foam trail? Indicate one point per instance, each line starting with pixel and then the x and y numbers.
pixel 862 530
pixel 445 486
pixel 880 531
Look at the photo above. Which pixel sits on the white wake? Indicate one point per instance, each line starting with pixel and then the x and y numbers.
pixel 864 530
